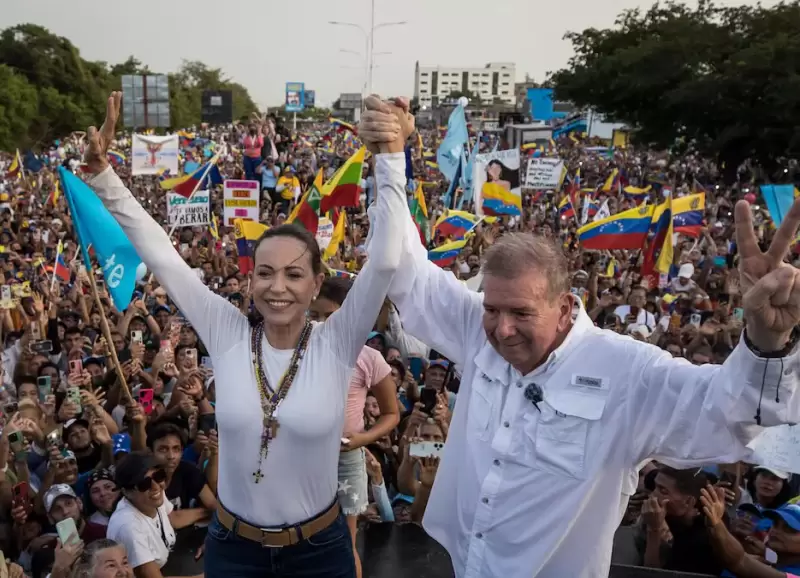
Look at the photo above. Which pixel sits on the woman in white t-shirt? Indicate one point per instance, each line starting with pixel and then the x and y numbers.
pixel 141 521
pixel 281 379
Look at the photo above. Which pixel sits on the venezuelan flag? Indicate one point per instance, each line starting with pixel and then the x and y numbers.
pixel 342 126
pixel 454 224
pixel 611 181
pixel 340 273
pixel 247 233
pixel 625 230
pixel 660 229
pixel 445 255
pixel 636 194
pixel 15 168
pixel 565 208
pixel 116 158
pixel 593 207
pixel 431 165
pixel 497 201
pixel 186 184
pixel 687 214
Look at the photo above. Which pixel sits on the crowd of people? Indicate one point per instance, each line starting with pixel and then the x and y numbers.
pixel 103 478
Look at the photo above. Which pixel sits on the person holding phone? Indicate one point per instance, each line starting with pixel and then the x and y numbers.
pixel 62 503
pixel 283 379
pixel 634 313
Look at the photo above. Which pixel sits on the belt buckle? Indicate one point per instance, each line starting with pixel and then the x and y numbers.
pixel 264 534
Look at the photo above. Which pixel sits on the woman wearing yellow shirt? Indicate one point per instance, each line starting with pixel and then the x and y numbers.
pixel 289 188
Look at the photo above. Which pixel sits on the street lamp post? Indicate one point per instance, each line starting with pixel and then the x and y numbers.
pixel 369 37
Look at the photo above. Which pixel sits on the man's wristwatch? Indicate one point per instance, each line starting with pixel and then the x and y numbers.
pixel 786 350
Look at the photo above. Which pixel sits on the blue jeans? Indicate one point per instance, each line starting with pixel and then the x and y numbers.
pixel 326 554
pixel 250 165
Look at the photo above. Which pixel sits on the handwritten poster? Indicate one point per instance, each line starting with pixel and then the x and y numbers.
pixel 544 173
pixel 240 201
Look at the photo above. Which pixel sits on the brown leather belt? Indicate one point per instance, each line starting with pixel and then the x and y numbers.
pixel 278 537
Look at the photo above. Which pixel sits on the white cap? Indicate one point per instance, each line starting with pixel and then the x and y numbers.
pixel 643 330
pixel 777 473
pixel 686 271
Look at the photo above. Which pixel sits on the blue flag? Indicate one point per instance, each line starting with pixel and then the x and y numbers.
pixel 449 154
pixel 467 196
pixel 449 200
pixel 96 227
pixel 779 199
pixel 32 163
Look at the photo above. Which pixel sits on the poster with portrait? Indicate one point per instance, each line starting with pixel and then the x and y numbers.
pixel 295 97
pixel 496 186
pixel 152 155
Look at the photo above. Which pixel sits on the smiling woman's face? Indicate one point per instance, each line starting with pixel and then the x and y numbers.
pixel 284 281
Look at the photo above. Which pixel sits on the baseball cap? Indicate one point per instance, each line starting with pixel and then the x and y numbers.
pixel 443 363
pixel 789 513
pixel 686 271
pixel 777 473
pixel 72 422
pixel 55 492
pixel 133 468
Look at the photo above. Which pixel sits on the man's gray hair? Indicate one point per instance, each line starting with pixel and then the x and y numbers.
pixel 85 565
pixel 515 254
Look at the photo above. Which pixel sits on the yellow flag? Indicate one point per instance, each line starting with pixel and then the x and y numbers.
pixel 336 238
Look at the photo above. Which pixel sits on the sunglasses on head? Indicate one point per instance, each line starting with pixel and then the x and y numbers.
pixel 145 484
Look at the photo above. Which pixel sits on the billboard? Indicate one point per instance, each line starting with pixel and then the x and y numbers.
pixel 217 106
pixel 145 100
pixel 295 96
pixel 310 98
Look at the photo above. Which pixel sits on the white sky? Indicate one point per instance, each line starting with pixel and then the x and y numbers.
pixel 264 43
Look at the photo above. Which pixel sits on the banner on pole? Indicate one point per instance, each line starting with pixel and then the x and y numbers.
pixel 153 155
pixel 183 212
pixel 324 233
pixel 544 173
pixel 240 201
pixel 495 183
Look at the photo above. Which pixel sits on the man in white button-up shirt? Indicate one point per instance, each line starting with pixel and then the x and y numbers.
pixel 554 417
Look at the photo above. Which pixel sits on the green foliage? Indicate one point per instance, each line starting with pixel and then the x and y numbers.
pixel 47 90
pixel 725 80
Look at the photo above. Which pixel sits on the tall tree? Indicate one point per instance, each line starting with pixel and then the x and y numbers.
pixel 47 90
pixel 725 80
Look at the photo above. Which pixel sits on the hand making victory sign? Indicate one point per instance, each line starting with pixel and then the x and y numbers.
pixel 770 288
pixel 96 155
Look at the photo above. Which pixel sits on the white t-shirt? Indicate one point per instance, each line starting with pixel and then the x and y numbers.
pixel 143 537
pixel 644 317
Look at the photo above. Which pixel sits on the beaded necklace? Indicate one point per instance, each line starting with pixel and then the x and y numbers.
pixel 271 399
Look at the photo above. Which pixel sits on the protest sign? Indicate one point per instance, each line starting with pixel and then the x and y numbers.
pixel 777 447
pixel 495 182
pixel 152 155
pixel 324 232
pixel 240 201
pixel 183 212
pixel 544 173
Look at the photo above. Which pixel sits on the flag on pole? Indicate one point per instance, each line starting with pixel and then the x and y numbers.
pixel 337 237
pixel 15 167
pixel 95 226
pixel 60 270
pixel 307 210
pixel 344 188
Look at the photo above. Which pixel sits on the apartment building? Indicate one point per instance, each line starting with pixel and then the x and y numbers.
pixel 434 84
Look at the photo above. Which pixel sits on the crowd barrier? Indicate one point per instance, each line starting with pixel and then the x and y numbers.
pixel 406 551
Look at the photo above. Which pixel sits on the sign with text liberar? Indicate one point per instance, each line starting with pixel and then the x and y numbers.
pixel 183 212
pixel 240 201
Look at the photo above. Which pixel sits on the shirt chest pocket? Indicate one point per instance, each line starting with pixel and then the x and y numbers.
pixel 481 405
pixel 561 433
